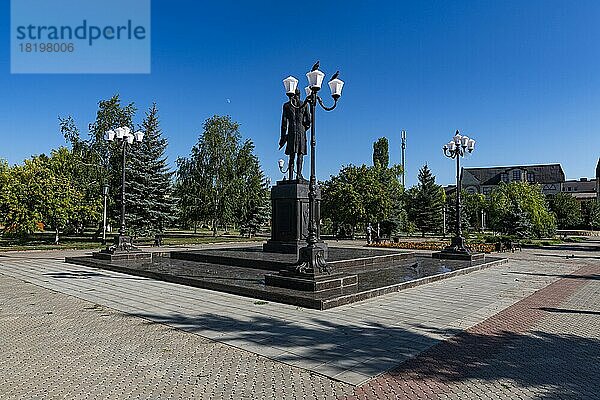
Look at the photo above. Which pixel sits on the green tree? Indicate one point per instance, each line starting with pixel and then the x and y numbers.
pixel 98 161
pixel 381 154
pixel 591 214
pixel 42 193
pixel 362 194
pixel 253 202
pixel 186 190
pixel 61 201
pixel 425 202
pixel 471 206
pixel 149 200
pixel 566 209
pixel 520 209
pixel 221 181
pixel 21 197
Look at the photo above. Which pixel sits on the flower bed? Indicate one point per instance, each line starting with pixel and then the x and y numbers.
pixel 435 246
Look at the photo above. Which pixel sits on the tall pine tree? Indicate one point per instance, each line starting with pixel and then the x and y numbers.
pixel 426 202
pixel 150 204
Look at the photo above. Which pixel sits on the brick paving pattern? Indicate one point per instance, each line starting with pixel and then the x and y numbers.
pixel 545 346
pixel 56 346
pixel 527 330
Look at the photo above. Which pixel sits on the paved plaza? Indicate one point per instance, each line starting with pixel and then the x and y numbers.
pixel 526 329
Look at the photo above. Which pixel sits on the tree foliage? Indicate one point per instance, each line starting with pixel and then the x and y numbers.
pixel 520 209
pixel 43 193
pixel 566 209
pixel 471 206
pixel 381 153
pixel 425 202
pixel 362 194
pixel 221 181
pixel 591 214
pixel 99 161
pixel 149 199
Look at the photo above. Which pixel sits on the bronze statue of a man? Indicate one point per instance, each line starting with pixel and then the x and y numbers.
pixel 294 124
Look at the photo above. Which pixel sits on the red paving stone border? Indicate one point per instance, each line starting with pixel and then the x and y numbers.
pixel 432 372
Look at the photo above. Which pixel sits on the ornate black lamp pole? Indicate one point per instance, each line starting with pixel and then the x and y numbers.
pixel 311 258
pixel 457 148
pixel 124 135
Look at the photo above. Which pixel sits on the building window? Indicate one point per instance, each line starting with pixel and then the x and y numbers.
pixel 517 175
pixel 487 190
pixel 471 190
pixel 530 177
pixel 504 177
pixel 569 188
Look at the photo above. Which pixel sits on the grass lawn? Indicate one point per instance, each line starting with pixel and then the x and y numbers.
pixel 45 241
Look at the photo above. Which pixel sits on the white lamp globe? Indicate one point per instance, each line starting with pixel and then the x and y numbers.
pixel 464 141
pixel 119 132
pixel 139 135
pixel 126 130
pixel 471 144
pixel 110 135
pixel 308 91
pixel 129 138
pixel 457 138
pixel 290 83
pixel 336 86
pixel 315 79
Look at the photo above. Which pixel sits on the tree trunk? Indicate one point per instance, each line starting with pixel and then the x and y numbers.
pixel 56 236
pixel 195 227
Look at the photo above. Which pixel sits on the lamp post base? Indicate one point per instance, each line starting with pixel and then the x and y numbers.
pixel 311 262
pixel 458 251
pixel 312 274
pixel 122 249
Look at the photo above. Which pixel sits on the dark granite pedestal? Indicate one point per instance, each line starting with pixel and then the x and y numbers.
pixel 289 216
pixel 310 283
pixel 244 271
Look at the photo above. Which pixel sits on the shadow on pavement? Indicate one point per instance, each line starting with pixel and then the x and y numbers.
pixel 565 310
pixel 81 274
pixel 567 257
pixel 566 364
pixel 594 277
pixel 370 349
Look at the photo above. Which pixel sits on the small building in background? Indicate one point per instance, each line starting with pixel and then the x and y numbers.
pixel 582 189
pixel 550 177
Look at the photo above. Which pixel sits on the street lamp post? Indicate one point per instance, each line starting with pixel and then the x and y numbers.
pixel 105 194
pixel 458 147
pixel 123 135
pixel 311 259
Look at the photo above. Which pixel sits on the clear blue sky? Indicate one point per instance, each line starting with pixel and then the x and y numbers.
pixel 521 77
